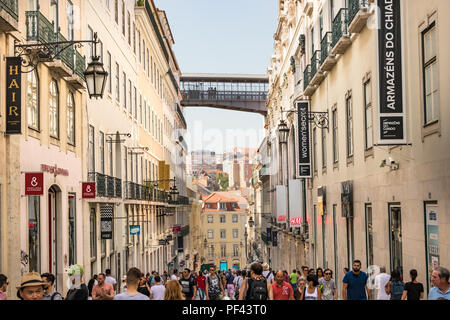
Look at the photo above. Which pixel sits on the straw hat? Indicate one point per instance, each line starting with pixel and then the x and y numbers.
pixel 30 279
pixel 265 266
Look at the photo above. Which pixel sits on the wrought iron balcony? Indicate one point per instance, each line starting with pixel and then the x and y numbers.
pixel 180 114
pixel 341 37
pixel 106 186
pixel 327 59
pixel 39 28
pixel 316 74
pixel 306 76
pixel 358 13
pixel 264 172
pixel 9 15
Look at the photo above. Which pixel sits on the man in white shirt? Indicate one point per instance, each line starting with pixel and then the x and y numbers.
pixel 158 290
pixel 174 275
pixel 380 282
pixel 109 279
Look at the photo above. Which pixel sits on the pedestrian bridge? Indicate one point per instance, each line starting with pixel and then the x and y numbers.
pixel 238 92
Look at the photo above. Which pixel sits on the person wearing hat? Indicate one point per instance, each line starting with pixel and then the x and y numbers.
pixel 31 287
pixel 267 274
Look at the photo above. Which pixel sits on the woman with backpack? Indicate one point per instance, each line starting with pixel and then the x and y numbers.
pixel 257 287
pixel 414 289
pixel 395 286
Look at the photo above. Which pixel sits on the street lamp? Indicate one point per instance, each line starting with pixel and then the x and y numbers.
pixel 251 223
pixel 283 132
pixel 205 243
pixel 95 77
pixel 174 193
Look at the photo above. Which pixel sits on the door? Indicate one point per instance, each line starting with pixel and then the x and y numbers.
pixel 52 231
pixel 395 221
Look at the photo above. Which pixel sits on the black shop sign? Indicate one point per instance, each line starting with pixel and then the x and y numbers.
pixel 304 140
pixel 13 95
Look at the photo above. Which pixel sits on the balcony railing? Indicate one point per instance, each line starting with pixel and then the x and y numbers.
pixel 340 26
pixel 180 113
pixel 325 46
pixel 80 64
pixel 39 28
pixel 106 186
pixel 10 6
pixel 354 6
pixel 68 55
pixel 306 76
pixel 315 63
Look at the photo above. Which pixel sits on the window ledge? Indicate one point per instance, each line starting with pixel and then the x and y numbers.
pixel 349 160
pixel 324 170
pixel 431 128
pixel 368 153
pixel 336 165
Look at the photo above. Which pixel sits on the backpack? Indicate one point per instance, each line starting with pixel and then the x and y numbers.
pixel 396 290
pixel 230 279
pixel 257 289
pixel 54 294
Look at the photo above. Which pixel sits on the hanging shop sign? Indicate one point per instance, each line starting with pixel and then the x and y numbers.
pixel 176 228
pixel 135 230
pixel 347 199
pixel 322 200
pixel 13 95
pixel 269 234
pixel 106 224
pixel 274 238
pixel 295 203
pixel 88 190
pixel 391 116
pixel 34 183
pixel 281 203
pixel 304 141
pixel 432 238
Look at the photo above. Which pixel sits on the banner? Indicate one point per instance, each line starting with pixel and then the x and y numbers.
pixel 13 95
pixel 321 200
pixel 34 183
pixel 347 199
pixel 274 238
pixel 281 203
pixel 88 189
pixel 295 203
pixel 432 238
pixel 304 141
pixel 106 216
pixel 391 114
pixel 135 230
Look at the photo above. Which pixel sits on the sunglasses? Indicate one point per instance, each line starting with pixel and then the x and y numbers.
pixel 327 274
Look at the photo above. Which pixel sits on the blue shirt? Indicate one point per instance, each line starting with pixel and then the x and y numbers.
pixel 356 289
pixel 436 293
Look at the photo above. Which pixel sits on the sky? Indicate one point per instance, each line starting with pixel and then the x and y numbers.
pixel 222 36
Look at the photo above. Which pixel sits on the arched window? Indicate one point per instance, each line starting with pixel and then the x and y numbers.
pixel 70 119
pixel 33 100
pixel 53 101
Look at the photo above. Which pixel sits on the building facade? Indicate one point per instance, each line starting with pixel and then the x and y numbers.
pixel 383 204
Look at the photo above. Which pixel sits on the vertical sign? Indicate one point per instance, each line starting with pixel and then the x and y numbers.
pixel 432 237
pixel 347 199
pixel 274 238
pixel 304 141
pixel 34 183
pixel 106 216
pixel 321 200
pixel 269 234
pixel 88 190
pixel 281 203
pixel 391 114
pixel 295 203
pixel 13 95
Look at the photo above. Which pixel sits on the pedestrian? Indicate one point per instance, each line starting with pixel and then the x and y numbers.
pixel 299 294
pixel 237 284
pixel 257 287
pixel 312 272
pixel 293 279
pixel 286 276
pixel 165 277
pixel 188 285
pixel 305 270
pixel 312 292
pixel 31 287
pixel 328 286
pixel 319 273
pixel 223 279
pixel 355 284
pixel 158 290
pixel 109 279
pixel 380 284
pixel 144 288
pixel 395 286
pixel 132 293
pixel 123 285
pixel 201 285
pixel 413 289
pixel 174 275
pixel 49 292
pixel 3 286
pixel 103 290
pixel 173 291
pixel 229 279
pixel 346 270
pixel 441 289
pixel 78 290
pixel 282 290
pixel 267 273
pixel 214 287
pixel 91 285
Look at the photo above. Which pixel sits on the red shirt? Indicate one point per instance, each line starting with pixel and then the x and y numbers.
pixel 282 292
pixel 201 282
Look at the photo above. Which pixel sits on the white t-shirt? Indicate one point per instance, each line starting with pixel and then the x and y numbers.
pixel 158 292
pixel 268 275
pixel 380 282
pixel 110 280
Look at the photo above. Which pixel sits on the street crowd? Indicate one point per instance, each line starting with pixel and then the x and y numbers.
pixel 259 282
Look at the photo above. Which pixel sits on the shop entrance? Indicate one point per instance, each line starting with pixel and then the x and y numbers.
pixel 54 234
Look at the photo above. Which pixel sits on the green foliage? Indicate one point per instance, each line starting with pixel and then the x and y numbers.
pixel 222 181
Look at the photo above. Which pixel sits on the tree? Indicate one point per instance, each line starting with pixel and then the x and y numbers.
pixel 222 181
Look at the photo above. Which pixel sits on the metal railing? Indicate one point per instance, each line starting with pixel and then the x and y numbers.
pixel 12 7
pixel 80 64
pixel 213 95
pixel 306 76
pixel 68 55
pixel 340 26
pixel 325 46
pixel 180 113
pixel 354 6
pixel 106 186
pixel 39 28
pixel 315 63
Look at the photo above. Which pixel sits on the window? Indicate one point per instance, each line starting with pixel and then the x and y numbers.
pixel 235 218
pixel 139 46
pixel 125 90
pixel 33 100
pixel 70 119
pixel 222 218
pixel 148 62
pixel 321 25
pixel 223 250
pixel 368 115
pixel 116 8
pixel 129 29
pixel 111 163
pixel 369 234
pixel 54 110
pixel 211 251
pixel 223 233
pixel 430 74
pixel 134 38
pixel 135 102
pixel 91 46
pixel 91 150
pixel 109 72
pixel 331 11
pixel 335 137
pixel 314 150
pixel 93 232
pixel 69 21
pixel 143 53
pixel 130 92
pixel 222 206
pixel 140 110
pixel 34 230
pixel 72 229
pixel 117 83
pixel 210 234
pixel 324 148
pixel 102 151
pixel 235 250
pixel 235 233
pixel 123 17
pixel 312 41
pixel 210 219
pixel 349 113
